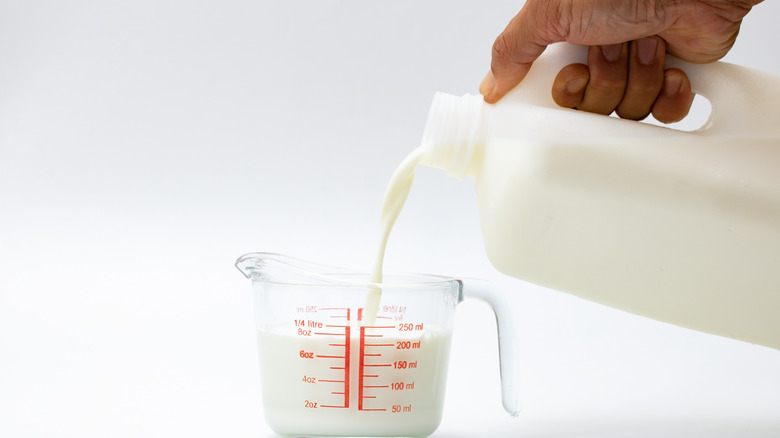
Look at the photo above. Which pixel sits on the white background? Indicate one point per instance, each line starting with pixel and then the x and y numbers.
pixel 145 145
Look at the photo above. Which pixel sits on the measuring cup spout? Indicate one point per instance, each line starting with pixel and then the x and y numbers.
pixel 268 267
pixel 483 290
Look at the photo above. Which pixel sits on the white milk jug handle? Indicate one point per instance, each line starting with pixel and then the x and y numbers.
pixel 744 101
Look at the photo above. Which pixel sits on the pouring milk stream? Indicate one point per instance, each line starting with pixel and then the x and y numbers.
pixel 681 227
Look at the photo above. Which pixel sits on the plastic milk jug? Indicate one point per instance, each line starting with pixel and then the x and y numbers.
pixel 681 227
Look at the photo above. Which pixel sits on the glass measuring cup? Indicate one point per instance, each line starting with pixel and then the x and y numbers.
pixel 326 370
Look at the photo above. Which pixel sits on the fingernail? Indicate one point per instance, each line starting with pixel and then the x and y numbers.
pixel 574 86
pixel 672 84
pixel 612 52
pixel 488 85
pixel 646 50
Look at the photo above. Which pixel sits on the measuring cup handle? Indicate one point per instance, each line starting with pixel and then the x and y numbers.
pixel 485 291
pixel 744 100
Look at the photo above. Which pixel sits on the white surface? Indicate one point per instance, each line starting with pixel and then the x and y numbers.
pixel 145 145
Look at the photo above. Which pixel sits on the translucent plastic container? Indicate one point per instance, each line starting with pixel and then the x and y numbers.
pixel 682 227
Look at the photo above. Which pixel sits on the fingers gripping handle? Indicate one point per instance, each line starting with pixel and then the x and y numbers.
pixel 744 101
pixel 501 306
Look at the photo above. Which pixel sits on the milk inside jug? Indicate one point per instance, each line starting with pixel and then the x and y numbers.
pixel 681 227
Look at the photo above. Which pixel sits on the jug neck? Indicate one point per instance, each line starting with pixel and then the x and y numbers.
pixel 454 128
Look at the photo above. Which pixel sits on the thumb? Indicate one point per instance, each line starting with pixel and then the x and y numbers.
pixel 517 47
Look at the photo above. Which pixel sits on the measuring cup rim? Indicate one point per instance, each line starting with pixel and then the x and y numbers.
pixel 330 276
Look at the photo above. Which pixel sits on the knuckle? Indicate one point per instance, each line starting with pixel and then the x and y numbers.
pixel 501 47
pixel 650 88
pixel 607 85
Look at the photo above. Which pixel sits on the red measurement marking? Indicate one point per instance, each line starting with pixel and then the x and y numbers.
pixel 346 334
pixel 345 316
pixel 346 363
pixel 363 366
pixel 380 326
pixel 361 362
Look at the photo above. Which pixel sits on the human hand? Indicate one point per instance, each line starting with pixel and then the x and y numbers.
pixel 629 40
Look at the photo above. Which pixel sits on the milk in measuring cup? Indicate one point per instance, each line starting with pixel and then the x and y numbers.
pixel 326 372
pixel 320 379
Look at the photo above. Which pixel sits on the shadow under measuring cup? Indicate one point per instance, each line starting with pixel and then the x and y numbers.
pixel 326 370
